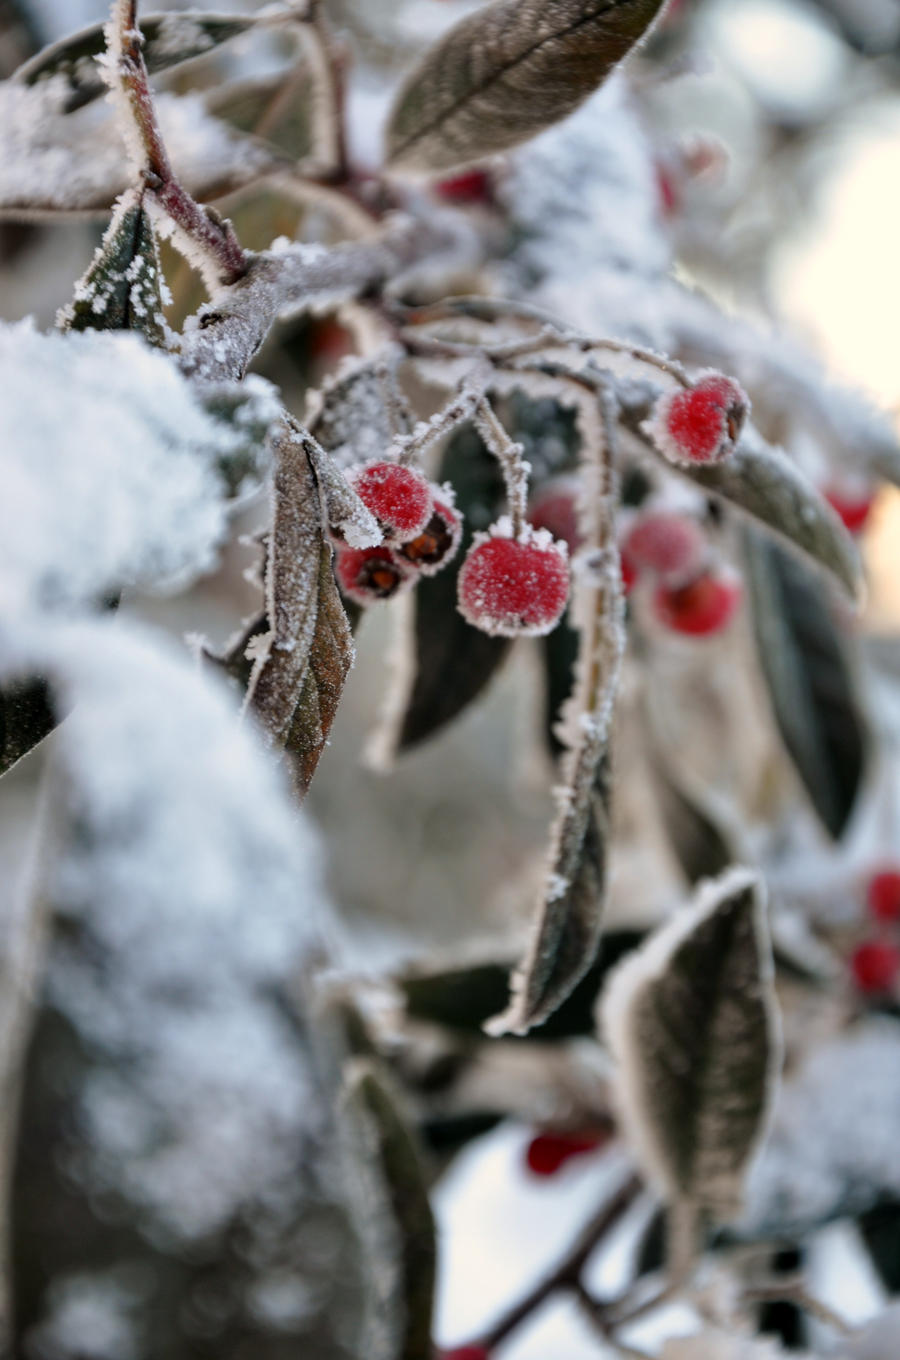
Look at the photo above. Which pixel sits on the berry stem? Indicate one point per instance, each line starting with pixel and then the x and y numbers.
pixel 509 455
pixel 128 74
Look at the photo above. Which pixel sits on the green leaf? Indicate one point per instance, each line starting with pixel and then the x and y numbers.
pixel 765 484
pixel 698 835
pixel 692 1026
pixel 27 715
pixel 453 662
pixel 407 1260
pixel 169 40
pixel 122 288
pixel 507 72
pixel 810 680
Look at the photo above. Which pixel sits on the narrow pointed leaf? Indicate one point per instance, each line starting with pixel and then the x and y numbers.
pixel 169 40
pixel 27 715
pixel 507 72
pixel 122 287
pixel 404 1256
pixel 453 662
pixel 698 835
pixel 764 483
pixel 810 680
pixel 692 1026
pixel 303 660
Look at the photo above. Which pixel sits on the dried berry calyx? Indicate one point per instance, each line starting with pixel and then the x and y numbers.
pixel 398 496
pixel 702 423
pixel 514 586
pixel 704 606
pixel 875 966
pixel 670 545
pixel 367 575
pixel 431 550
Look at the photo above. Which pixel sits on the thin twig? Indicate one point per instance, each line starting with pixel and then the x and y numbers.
pixel 509 455
pixel 566 1275
pixel 208 233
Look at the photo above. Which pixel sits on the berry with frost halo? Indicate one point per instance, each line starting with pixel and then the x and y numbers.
pixel 367 575
pixel 431 550
pixel 514 587
pixel 704 606
pixel 555 509
pixel 670 545
pixel 852 505
pixel 702 423
pixel 398 496
pixel 547 1152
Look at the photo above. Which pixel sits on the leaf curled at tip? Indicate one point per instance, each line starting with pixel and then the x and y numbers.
pixel 507 72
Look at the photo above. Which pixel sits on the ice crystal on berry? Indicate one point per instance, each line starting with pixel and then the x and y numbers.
pixel 514 586
pixel 398 496
pixel 700 424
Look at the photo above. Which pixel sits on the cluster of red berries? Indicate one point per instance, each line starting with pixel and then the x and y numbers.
pixel 691 594
pixel 511 584
pixel 420 532
pixel 875 963
pixel 701 423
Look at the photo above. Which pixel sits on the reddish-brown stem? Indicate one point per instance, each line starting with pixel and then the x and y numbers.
pixel 214 237
pixel 566 1275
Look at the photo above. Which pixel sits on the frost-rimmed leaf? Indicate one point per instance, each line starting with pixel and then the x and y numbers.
pixel 569 920
pixel 764 483
pixel 692 1025
pixel 302 659
pixel 27 715
pixel 507 72
pixel 403 1253
pixel 169 40
pixel 452 662
pixel 810 680
pixel 698 834
pixel 121 289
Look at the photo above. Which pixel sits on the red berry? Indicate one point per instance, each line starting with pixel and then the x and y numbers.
pixel 466 1353
pixel 876 966
pixel 629 571
pixel 547 1152
pixel 883 895
pixel 473 186
pixel 700 424
pixel 854 507
pixel 398 496
pixel 431 550
pixel 667 544
pixel 369 574
pixel 556 510
pixel 514 587
pixel 705 605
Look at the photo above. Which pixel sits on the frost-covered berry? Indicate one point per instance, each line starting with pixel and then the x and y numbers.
pixel 369 574
pixel 556 510
pixel 398 496
pixel 705 605
pixel 670 545
pixel 472 186
pixel 547 1152
pixel 514 587
pixel 466 1353
pixel 883 895
pixel 854 505
pixel 700 424
pixel 875 966
pixel 431 550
